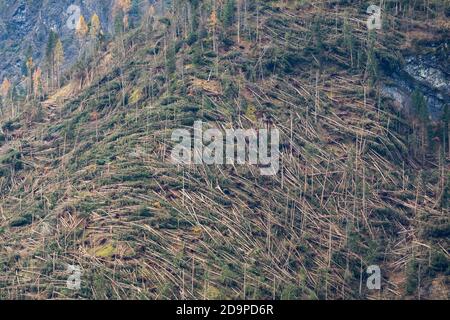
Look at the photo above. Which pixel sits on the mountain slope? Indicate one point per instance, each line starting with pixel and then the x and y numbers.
pixel 86 177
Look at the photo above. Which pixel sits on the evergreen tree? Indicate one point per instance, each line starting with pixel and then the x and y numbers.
pixel 121 10
pixel 446 128
pixel 50 55
pixel 59 60
pixel 135 13
pixel 349 39
pixel 317 34
pixel 30 68
pixel 118 22
pixel 213 28
pixel 194 15
pixel 228 13
pixel 52 37
pixel 171 61
pixel 371 72
pixel 28 55
pixel 420 108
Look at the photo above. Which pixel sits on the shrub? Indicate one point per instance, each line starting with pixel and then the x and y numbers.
pixel 439 263
pixel 442 231
pixel 22 221
pixel 145 212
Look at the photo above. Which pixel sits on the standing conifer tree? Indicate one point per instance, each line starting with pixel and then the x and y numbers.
pixel 421 111
pixel 50 58
pixel 446 129
pixel 228 13
pixel 59 60
pixel 30 67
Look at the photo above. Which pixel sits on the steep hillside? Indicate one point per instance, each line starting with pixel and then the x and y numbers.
pixel 86 176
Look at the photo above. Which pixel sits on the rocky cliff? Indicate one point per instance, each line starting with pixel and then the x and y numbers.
pixel 26 24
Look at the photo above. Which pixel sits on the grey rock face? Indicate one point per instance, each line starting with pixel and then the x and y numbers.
pixel 427 70
pixel 25 23
pixel 427 73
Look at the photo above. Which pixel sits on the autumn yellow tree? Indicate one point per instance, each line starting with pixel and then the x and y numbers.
pixel 124 5
pixel 213 25
pixel 4 90
pixel 95 26
pixel 30 66
pixel 81 28
pixel 95 30
pixel 81 31
pixel 37 84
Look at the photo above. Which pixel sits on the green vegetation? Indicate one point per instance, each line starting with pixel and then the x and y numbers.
pixel 360 182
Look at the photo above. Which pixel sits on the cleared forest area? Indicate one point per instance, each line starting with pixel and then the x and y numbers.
pixel 85 176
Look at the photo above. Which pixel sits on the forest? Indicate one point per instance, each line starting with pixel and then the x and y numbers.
pixel 86 120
